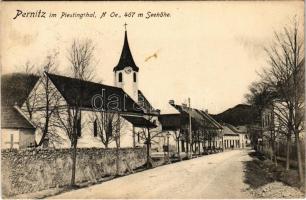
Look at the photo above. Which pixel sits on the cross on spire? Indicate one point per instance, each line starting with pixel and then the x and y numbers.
pixel 125 24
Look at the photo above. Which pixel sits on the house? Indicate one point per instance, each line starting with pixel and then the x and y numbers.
pixel 244 132
pixel 205 131
pixel 17 131
pixel 135 112
pixel 231 137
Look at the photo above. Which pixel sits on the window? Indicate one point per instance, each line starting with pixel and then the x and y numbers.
pixel 120 77
pixel 138 138
pixel 134 77
pixel 79 127
pixel 95 128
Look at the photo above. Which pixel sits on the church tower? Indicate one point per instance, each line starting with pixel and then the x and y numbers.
pixel 126 71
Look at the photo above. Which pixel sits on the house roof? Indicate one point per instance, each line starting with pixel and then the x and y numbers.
pixel 242 129
pixel 138 121
pixel 228 130
pixel 170 121
pixel 126 58
pixel 212 120
pixel 199 118
pixel 68 87
pixel 12 118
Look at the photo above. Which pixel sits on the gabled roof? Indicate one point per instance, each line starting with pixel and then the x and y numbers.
pixel 170 121
pixel 207 116
pixel 227 130
pixel 126 58
pixel 138 121
pixel 199 117
pixel 233 128
pixel 69 87
pixel 11 118
pixel 242 129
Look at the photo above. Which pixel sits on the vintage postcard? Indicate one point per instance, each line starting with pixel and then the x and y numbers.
pixel 152 100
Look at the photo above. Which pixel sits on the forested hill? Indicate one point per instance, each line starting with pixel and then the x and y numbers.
pixel 241 114
pixel 16 87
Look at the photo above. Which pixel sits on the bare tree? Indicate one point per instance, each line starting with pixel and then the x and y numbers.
pixel 80 56
pixel 148 134
pixel 286 77
pixel 177 137
pixel 106 123
pixel 30 102
pixel 48 99
pixel 42 99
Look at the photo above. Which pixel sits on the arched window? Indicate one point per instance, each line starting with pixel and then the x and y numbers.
pixel 120 77
pixel 134 77
pixel 95 127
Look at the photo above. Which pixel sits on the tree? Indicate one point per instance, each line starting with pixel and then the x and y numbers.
pixel 149 134
pixel 177 137
pixel 259 96
pixel 30 102
pixel 48 99
pixel 69 117
pixel 286 77
pixel 108 125
pixel 42 99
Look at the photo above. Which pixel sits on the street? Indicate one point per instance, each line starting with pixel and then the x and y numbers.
pixel 213 176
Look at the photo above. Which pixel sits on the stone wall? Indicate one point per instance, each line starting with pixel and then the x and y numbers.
pixel 25 171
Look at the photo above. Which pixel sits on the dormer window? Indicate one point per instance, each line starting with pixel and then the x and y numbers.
pixel 120 77
pixel 134 77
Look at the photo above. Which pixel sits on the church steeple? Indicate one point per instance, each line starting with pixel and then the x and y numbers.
pixel 126 58
pixel 126 71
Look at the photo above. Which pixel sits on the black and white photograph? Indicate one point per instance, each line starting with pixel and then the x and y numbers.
pixel 152 100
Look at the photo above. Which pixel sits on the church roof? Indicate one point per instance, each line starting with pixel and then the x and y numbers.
pixel 126 58
pixel 68 88
pixel 145 104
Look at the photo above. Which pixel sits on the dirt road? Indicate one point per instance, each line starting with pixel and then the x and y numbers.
pixel 214 176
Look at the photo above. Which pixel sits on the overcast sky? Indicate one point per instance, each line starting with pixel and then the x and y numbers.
pixel 208 51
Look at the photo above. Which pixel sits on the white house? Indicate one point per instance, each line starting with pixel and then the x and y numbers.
pixel 234 137
pixel 17 131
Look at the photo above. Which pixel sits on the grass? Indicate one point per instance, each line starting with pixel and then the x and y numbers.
pixel 260 171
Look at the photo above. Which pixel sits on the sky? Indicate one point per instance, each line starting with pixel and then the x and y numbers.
pixel 208 51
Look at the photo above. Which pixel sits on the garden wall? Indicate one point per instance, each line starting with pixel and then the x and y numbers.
pixel 31 170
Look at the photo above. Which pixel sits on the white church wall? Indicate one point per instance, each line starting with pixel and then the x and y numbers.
pixel 128 84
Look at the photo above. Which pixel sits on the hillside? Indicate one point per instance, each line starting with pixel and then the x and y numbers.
pixel 15 88
pixel 241 114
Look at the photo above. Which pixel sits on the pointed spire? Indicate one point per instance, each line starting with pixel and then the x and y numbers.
pixel 126 58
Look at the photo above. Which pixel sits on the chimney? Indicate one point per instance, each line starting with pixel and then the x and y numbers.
pixel 171 102
pixel 184 105
pixel 206 111
pixel 157 111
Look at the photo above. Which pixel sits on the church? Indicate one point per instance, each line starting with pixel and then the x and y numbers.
pixel 102 106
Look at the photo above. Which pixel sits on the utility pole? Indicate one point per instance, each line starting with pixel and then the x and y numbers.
pixel 190 130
